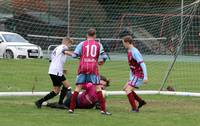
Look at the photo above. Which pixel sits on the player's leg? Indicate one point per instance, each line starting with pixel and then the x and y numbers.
pixel 51 94
pixel 74 98
pixel 55 105
pixel 56 89
pixel 51 105
pixel 137 84
pixel 64 89
pixel 131 98
pixel 97 104
pixel 62 95
pixel 95 79
pixel 67 98
pixel 81 79
pixel 137 98
pixel 102 101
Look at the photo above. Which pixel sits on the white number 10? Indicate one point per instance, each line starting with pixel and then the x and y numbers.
pixel 92 50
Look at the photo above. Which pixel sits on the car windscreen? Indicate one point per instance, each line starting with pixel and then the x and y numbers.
pixel 13 38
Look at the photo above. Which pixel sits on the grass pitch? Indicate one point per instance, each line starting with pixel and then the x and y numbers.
pixel 21 75
pixel 160 111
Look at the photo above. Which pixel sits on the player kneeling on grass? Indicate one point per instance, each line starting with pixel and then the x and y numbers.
pixel 56 72
pixel 87 99
pixel 138 73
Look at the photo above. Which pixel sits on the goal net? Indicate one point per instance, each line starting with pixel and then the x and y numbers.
pixel 165 31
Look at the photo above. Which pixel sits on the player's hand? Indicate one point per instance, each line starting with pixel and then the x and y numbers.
pixel 65 72
pixel 101 63
pixel 145 81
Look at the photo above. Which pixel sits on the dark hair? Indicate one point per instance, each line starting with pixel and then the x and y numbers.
pixel 105 79
pixel 91 32
pixel 128 39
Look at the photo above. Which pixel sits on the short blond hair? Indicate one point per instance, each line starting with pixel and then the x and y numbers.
pixel 67 39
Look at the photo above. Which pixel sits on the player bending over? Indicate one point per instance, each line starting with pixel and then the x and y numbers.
pixel 89 52
pixel 56 72
pixel 138 73
pixel 87 99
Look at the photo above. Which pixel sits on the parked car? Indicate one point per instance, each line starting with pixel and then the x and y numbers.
pixel 13 45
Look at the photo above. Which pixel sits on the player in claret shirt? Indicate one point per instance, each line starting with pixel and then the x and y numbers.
pixel 87 99
pixel 138 73
pixel 89 52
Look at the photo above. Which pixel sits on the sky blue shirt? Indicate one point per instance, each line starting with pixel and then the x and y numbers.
pixel 138 57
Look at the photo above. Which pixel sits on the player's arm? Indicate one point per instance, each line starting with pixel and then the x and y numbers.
pixel 66 52
pixel 76 53
pixel 144 69
pixel 138 57
pixel 103 55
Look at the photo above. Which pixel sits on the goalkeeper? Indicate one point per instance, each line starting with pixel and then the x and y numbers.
pixel 87 99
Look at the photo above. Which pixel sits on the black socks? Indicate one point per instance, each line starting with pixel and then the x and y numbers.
pixel 48 96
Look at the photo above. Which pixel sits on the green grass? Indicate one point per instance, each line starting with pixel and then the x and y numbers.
pixel 21 75
pixel 160 111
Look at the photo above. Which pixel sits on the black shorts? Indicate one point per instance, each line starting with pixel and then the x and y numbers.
pixel 57 80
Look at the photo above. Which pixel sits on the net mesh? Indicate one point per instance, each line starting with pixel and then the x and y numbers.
pixel 161 29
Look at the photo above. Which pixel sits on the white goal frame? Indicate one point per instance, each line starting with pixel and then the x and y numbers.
pixel 108 93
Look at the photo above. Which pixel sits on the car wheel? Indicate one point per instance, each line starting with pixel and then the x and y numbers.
pixel 8 54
